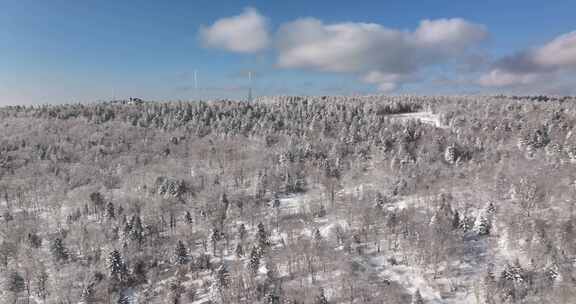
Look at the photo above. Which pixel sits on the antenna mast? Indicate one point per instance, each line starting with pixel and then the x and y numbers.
pixel 249 86
pixel 196 84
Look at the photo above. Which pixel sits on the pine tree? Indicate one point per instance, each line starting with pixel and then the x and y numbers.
pixel 272 298
pixel 263 241
pixel 215 237
pixel 123 299
pixel 34 240
pixel 321 298
pixel 88 294
pixel 242 232
pixel 188 218
pixel 176 291
pixel 117 267
pixel 491 209
pixel 181 253
pixel 110 213
pixel 14 282
pixel 41 282
pixel 223 277
pixel 317 236
pixel 467 223
pixel 456 220
pixel 417 298
pixel 135 229
pixel 58 250
pixel 254 262
pixel 321 211
pixel 139 272
pixel 239 250
pixel 484 226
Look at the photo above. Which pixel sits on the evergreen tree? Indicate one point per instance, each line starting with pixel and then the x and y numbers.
pixel 14 282
pixel 321 298
pixel 117 267
pixel 263 241
pixel 491 209
pixel 176 290
pixel 272 298
pixel 239 250
pixel 321 211
pixel 188 217
pixel 123 299
pixel 317 236
pixel 254 262
pixel 467 223
pixel 110 212
pixel 456 220
pixel 41 282
pixel 135 229
pixel 34 240
pixel 215 237
pixel 223 277
pixel 242 232
pixel 58 250
pixel 417 298
pixel 88 294
pixel 484 226
pixel 181 253
pixel 139 272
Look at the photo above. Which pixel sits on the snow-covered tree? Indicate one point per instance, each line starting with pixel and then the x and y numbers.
pixel 110 211
pixel 117 267
pixel 254 262
pixel 321 297
pixel 417 298
pixel 58 250
pixel 239 250
pixel 263 240
pixel 181 253
pixel 223 277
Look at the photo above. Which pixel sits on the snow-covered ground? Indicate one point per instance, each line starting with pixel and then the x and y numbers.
pixel 424 117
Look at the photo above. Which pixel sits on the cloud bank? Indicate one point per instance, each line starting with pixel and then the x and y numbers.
pixel 534 65
pixel 385 56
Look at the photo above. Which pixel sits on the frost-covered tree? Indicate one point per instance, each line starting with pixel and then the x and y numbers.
pixel 263 240
pixel 239 250
pixel 484 225
pixel 242 232
pixel 321 297
pixel 117 267
pixel 223 277
pixel 58 250
pixel 188 218
pixel 181 253
pixel 254 262
pixel 110 211
pixel 14 282
pixel 417 298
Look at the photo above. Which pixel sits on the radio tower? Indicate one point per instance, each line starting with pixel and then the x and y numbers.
pixel 249 86
pixel 196 84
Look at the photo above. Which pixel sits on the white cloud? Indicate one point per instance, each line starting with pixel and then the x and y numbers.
pixel 535 65
pixel 244 33
pixel 372 49
pixel 560 52
pixel 449 35
pixel 385 82
pixel 502 78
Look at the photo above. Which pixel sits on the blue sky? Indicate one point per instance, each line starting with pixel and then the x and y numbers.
pixel 66 51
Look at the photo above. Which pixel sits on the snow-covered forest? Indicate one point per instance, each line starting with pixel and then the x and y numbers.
pixel 309 200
